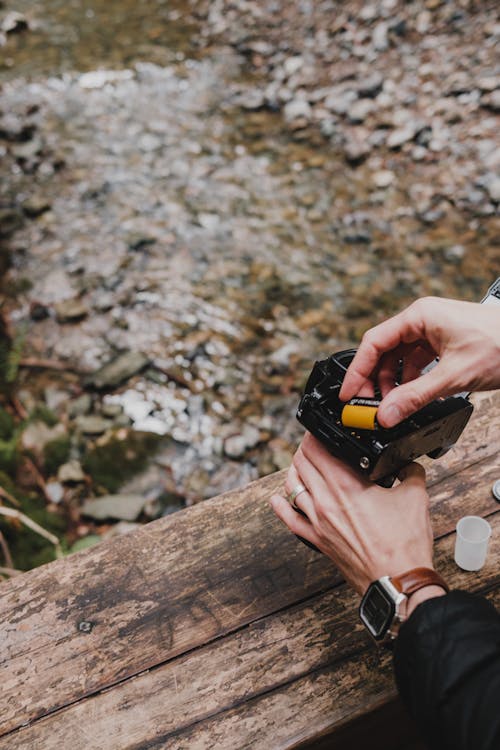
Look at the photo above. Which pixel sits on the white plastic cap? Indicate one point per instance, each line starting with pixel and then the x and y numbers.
pixel 471 545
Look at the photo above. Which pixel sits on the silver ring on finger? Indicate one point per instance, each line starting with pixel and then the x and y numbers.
pixel 293 495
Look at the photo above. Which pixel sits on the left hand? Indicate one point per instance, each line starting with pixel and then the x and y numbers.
pixel 368 531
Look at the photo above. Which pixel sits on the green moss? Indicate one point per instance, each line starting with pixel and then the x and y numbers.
pixel 111 464
pixel 56 453
pixel 8 455
pixel 42 413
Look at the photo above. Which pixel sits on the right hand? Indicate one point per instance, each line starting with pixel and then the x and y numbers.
pixel 464 335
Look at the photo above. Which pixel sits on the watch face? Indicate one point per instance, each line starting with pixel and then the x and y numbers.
pixel 377 610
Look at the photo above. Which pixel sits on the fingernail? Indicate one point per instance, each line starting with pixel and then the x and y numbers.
pixel 392 415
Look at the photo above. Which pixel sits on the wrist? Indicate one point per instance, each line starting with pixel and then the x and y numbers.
pixel 426 592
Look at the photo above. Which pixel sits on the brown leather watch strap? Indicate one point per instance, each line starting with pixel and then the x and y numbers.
pixel 416 579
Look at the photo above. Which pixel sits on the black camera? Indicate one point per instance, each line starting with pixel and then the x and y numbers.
pixel 375 452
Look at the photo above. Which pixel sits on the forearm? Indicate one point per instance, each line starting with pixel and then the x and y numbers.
pixel 447 667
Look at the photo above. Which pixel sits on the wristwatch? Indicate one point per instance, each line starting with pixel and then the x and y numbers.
pixel 384 605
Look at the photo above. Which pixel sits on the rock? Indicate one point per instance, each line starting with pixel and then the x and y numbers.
pixel 380 38
pixel 111 411
pixel 80 406
pixel 493 188
pixel 491 101
pixel 359 110
pixel 92 425
pixel 70 311
pixel 35 206
pixel 55 398
pixel 371 86
pixel 401 136
pixel 356 150
pixel 339 100
pixel 252 100
pixel 118 370
pixel 54 492
pixel 123 507
pixel 14 22
pixel 237 445
pixel 71 473
pixel 37 434
pixel 27 151
pixel 383 178
pixel 297 109
pixel 293 64
pixel 11 219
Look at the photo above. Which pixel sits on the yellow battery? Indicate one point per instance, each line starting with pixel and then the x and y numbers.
pixel 360 417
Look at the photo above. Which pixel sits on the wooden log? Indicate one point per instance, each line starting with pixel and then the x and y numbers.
pixel 81 625
pixel 278 682
pixel 318 642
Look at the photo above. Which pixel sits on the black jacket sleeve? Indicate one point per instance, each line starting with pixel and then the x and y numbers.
pixel 447 667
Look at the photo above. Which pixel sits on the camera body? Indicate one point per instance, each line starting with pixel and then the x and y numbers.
pixel 377 454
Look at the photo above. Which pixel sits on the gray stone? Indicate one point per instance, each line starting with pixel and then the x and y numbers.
pixel 123 507
pixel 70 311
pixel 28 150
pixel 80 406
pixel 296 109
pixel 14 22
pixel 339 100
pixel 37 434
pixel 54 492
pixel 71 473
pixel 236 446
pixel 111 411
pixel 35 206
pixel 380 38
pixel 493 189
pixel 359 110
pixel 356 150
pixel 92 425
pixel 371 86
pixel 400 136
pixel 118 370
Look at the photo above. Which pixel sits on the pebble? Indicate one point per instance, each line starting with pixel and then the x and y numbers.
pixel 122 507
pixel 493 188
pixel 118 370
pixel 359 110
pixel 400 136
pixel 71 473
pixel 297 109
pixel 383 178
pixel 70 311
pixel 237 445
pixel 92 425
pixel 54 492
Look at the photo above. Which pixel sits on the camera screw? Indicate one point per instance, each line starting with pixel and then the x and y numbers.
pixel 364 462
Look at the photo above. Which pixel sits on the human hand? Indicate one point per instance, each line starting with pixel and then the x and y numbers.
pixel 366 530
pixel 464 335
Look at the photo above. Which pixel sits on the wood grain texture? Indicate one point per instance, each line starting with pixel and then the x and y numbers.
pixel 226 609
pixel 276 683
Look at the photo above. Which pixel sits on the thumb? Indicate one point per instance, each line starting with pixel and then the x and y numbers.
pixel 410 397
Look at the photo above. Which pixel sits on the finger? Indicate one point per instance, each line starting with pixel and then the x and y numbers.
pixel 408 398
pixel 323 472
pixel 303 500
pixel 296 523
pixel 405 327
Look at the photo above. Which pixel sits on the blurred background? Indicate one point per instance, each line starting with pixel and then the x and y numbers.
pixel 197 200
